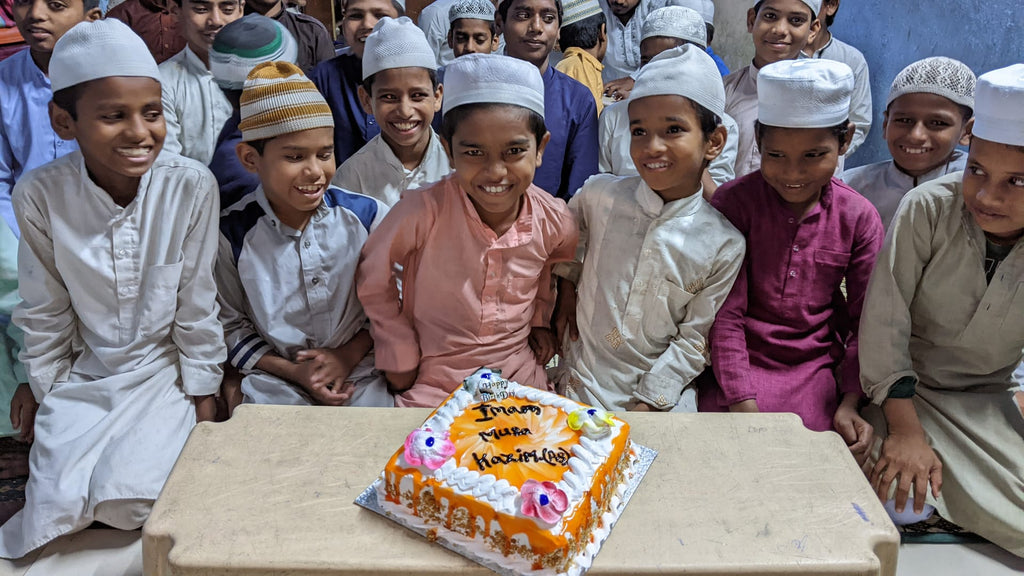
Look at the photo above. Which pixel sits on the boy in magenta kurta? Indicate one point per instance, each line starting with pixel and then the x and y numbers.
pixel 786 338
pixel 458 275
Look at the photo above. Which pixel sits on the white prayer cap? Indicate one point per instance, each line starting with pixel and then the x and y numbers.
pixel 685 71
pixel 807 93
pixel 574 11
pixel 999 110
pixel 938 75
pixel 675 22
pixel 100 49
pixel 493 79
pixel 706 8
pixel 396 43
pixel 473 9
pixel 814 5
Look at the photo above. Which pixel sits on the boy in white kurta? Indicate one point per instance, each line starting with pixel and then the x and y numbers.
pixel 122 343
pixel 655 261
pixel 288 254
pixel 400 89
pixel 942 332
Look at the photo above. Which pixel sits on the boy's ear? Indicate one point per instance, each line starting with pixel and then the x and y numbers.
pixel 451 41
pixel 438 98
pixel 62 122
pixel 751 18
pixel 495 41
pixel 850 129
pixel 540 147
pixel 93 15
pixel 716 143
pixel 830 7
pixel 365 100
pixel 965 134
pixel 448 152
pixel 248 156
pixel 603 36
pixel 815 30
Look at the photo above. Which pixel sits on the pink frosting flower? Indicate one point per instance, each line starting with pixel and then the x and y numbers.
pixel 424 447
pixel 543 500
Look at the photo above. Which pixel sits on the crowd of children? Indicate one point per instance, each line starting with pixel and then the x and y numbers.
pixel 253 219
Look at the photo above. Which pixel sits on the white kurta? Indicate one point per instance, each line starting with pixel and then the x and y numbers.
pixel 195 108
pixel 860 104
pixel 650 278
pixel 930 314
pixel 119 314
pixel 433 20
pixel 614 134
pixel 741 105
pixel 375 170
pixel 623 55
pixel 884 184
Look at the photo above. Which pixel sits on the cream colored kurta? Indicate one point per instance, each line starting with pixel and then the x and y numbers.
pixel 614 134
pixel 930 314
pixel 650 278
pixel 375 170
pixel 119 314
pixel 195 108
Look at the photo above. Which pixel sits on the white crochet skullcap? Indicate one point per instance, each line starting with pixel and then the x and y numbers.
pixel 493 79
pixel 938 75
pixel 999 111
pixel 706 8
pixel 814 5
pixel 808 93
pixel 578 10
pixel 472 9
pixel 675 22
pixel 396 43
pixel 99 49
pixel 685 71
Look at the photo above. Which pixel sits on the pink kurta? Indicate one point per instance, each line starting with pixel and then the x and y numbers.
pixel 786 331
pixel 468 297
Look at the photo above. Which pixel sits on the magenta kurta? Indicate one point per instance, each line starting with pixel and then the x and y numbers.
pixel 468 297
pixel 786 332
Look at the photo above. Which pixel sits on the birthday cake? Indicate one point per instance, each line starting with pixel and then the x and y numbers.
pixel 524 478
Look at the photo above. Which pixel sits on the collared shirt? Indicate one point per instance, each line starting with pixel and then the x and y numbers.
pixel 582 67
pixel 884 184
pixel 375 170
pixel 195 107
pixel 860 105
pixel 571 154
pixel 650 278
pixel 233 179
pixel 155 23
pixel 338 79
pixel 616 136
pixel 26 138
pixel 741 104
pixel 315 43
pixel 125 288
pixel 283 290
pixel 463 308
pixel 786 329
pixel 623 56
pixel 433 20
pixel 12 373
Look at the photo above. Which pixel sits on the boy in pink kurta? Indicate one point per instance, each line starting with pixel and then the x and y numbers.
pixel 786 338
pixel 458 275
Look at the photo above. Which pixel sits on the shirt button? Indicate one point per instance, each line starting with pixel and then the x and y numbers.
pixel 123 291
pixel 792 273
pixel 796 248
pixel 306 243
pixel 316 280
pixel 792 220
pixel 122 253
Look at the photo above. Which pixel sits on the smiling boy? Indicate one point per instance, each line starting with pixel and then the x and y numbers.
pixel 400 89
pixel 471 28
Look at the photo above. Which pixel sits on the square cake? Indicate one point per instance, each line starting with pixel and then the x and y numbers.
pixel 523 478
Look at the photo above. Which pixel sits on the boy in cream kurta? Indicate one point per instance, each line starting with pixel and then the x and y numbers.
pixel 943 328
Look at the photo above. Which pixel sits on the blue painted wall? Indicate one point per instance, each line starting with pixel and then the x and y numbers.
pixel 985 35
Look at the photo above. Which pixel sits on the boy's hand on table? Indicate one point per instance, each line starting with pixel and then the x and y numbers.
pixel 542 342
pixel 909 460
pixel 856 432
pixel 401 381
pixel 328 370
pixel 745 406
pixel 23 412
pixel 206 408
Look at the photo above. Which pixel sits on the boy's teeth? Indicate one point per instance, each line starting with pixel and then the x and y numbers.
pixel 308 188
pixel 656 165
pixel 495 189
pixel 134 152
pixel 405 125
pixel 915 150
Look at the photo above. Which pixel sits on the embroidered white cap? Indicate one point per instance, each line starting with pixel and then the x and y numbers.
pixel 99 49
pixel 675 22
pixel 472 9
pixel 706 8
pixel 578 10
pixel 938 75
pixel 493 79
pixel 396 43
pixel 999 106
pixel 682 71
pixel 807 93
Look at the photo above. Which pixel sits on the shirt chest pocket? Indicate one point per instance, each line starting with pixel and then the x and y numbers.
pixel 159 298
pixel 664 309
pixel 829 270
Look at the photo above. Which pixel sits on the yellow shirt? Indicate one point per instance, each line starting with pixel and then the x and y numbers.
pixel 581 66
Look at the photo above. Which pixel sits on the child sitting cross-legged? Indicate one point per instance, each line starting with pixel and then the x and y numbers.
pixel 400 89
pixel 288 255
pixel 786 338
pixel 657 260
pixel 475 250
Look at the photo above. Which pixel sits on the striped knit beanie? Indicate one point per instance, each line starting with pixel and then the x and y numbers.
pixel 246 42
pixel 278 99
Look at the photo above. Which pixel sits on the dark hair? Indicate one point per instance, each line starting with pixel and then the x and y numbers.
pixel 490 25
pixel 709 121
pixel 710 28
pixel 840 131
pixel 506 4
pixel 398 8
pixel 757 8
pixel 830 18
pixel 584 34
pixel 67 99
pixel 368 83
pixel 1014 147
pixel 90 5
pixel 260 145
pixel 456 115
